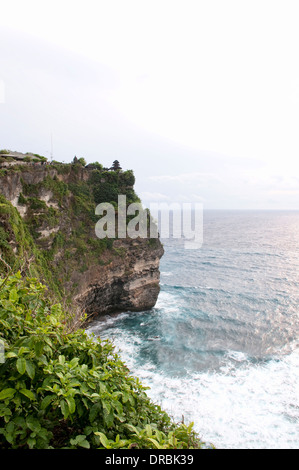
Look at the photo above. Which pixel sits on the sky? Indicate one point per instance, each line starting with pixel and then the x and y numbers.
pixel 200 98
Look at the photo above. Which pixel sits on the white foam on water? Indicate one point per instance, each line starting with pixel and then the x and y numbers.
pixel 238 356
pixel 104 322
pixel 243 406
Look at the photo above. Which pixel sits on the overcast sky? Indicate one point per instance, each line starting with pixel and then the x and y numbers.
pixel 199 98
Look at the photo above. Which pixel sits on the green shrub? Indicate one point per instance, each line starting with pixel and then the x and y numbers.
pixel 22 199
pixel 106 192
pixel 82 161
pixel 59 188
pixel 98 165
pixel 69 390
pixel 127 178
pixel 95 177
pixel 39 158
pixel 36 204
pixel 4 239
pixel 30 189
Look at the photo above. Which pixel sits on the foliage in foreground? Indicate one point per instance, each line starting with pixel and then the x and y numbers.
pixel 68 390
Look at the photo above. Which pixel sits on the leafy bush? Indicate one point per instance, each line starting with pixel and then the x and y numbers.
pixel 30 189
pixel 82 161
pixel 127 178
pixel 106 192
pixel 36 204
pixel 59 188
pixel 38 157
pixel 22 199
pixel 98 165
pixel 69 390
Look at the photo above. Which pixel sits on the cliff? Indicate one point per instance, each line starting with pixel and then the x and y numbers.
pixel 128 282
pixel 47 229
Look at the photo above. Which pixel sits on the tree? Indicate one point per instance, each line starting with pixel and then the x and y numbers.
pixel 128 178
pixel 82 161
pixel 115 166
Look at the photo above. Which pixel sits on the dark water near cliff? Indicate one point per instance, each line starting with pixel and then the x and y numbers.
pixel 221 346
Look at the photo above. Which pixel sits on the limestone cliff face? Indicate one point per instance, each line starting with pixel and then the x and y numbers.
pixel 128 282
pixel 57 206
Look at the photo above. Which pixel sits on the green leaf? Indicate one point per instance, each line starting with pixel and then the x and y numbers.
pixel 61 360
pixel 19 421
pixel 30 369
pixel 156 444
pixel 108 419
pixel 118 406
pixel 131 400
pixel 27 393
pixel 31 442
pixel 33 424
pixel 75 383
pixel 81 441
pixel 7 393
pixel 132 429
pixel 5 324
pixel 148 430
pixel 38 347
pixel 84 444
pixel 74 362
pixel 13 295
pixel 71 404
pixel 108 414
pixel 103 439
pixel 21 365
pixel 106 407
pixel 23 350
pixel 46 401
pixel 5 412
pixel 103 388
pixel 94 411
pixel 121 418
pixel 64 408
pixel 10 354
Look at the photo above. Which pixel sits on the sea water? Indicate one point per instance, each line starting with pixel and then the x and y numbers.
pixel 221 346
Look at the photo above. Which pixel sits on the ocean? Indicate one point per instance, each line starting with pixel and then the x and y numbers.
pixel 221 346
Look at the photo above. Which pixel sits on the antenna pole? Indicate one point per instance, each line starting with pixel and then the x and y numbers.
pixel 51 147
